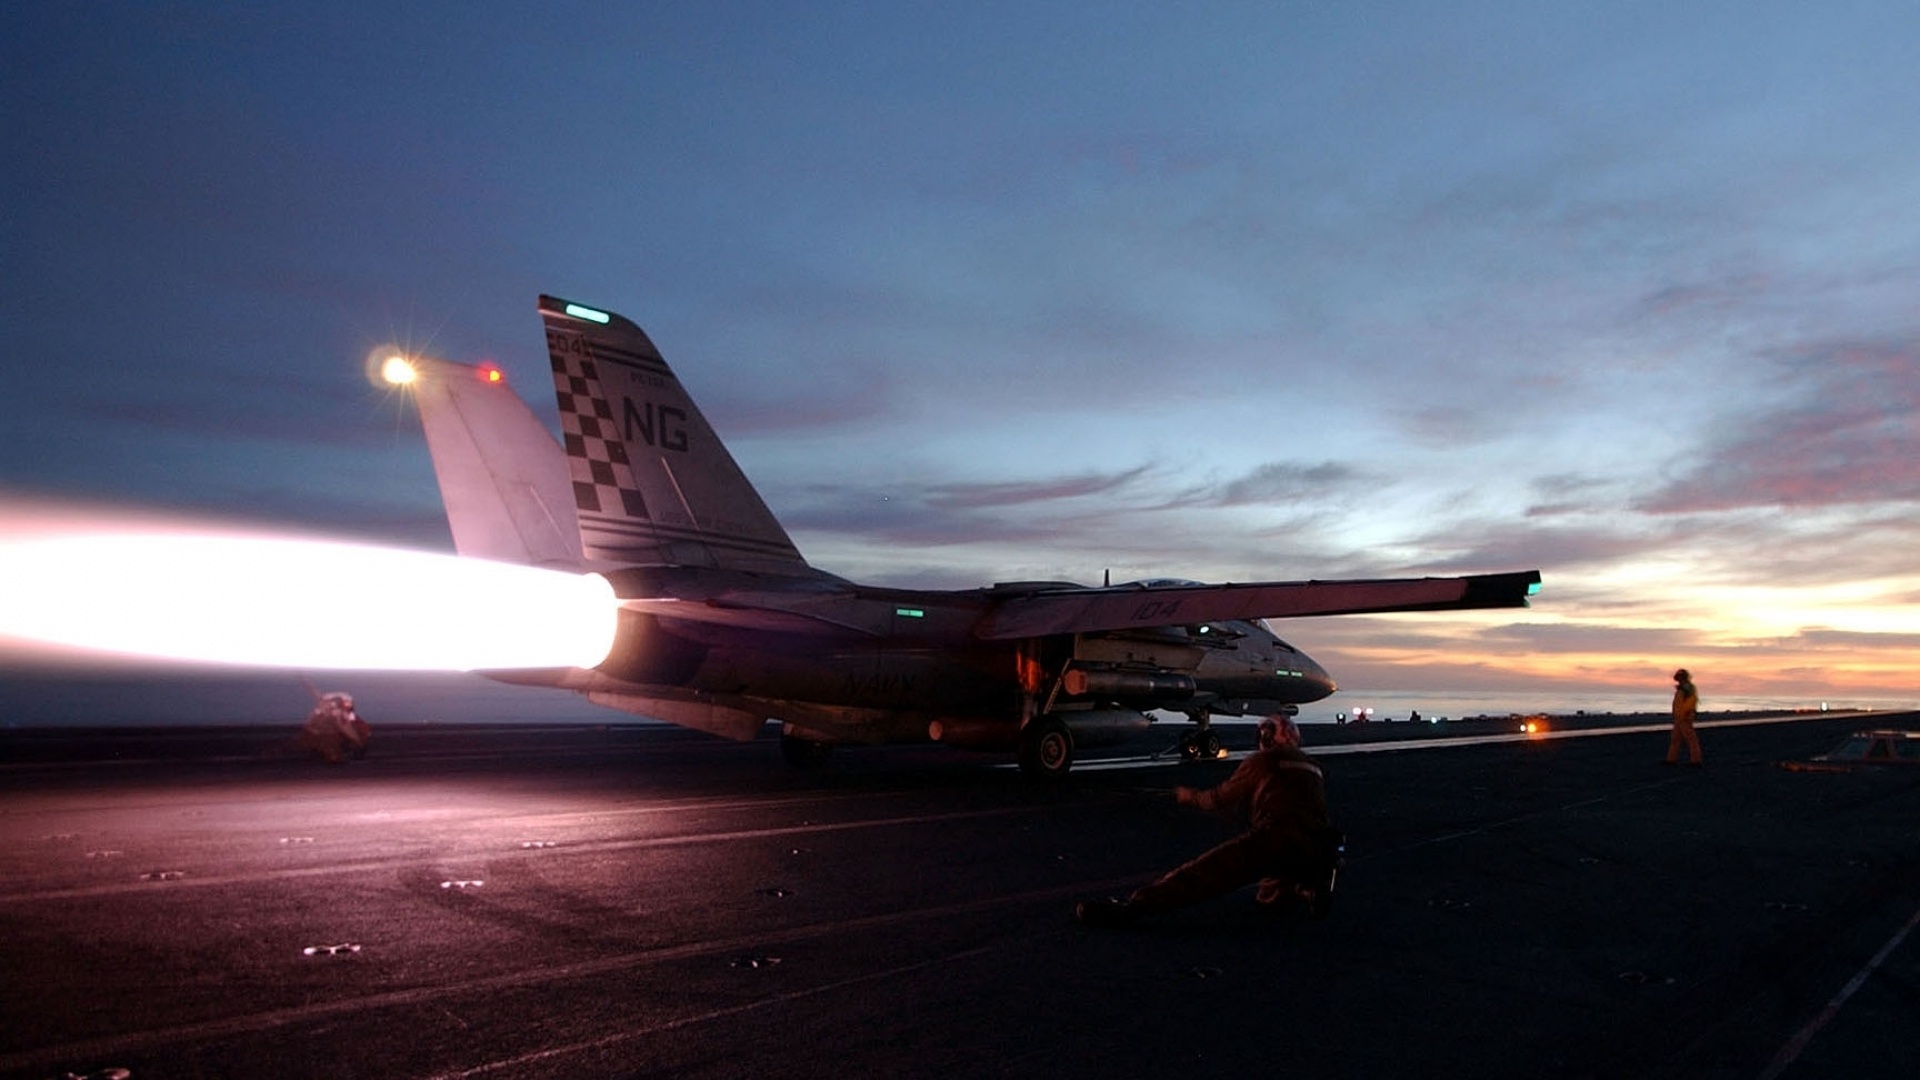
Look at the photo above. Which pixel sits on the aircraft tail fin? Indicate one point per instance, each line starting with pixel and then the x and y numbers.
pixel 651 482
pixel 502 477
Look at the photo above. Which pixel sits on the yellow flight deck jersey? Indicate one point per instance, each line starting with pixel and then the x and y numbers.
pixel 1686 701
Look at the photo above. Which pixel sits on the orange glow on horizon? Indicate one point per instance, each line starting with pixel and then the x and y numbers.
pixel 1810 663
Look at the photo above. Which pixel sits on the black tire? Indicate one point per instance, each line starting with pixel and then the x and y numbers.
pixel 1210 745
pixel 804 753
pixel 1046 748
pixel 1190 747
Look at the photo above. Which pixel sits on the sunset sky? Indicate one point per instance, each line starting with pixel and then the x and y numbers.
pixel 1625 292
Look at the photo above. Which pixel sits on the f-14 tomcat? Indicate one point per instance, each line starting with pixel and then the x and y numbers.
pixel 723 626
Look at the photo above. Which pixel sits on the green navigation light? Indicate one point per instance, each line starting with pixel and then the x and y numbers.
pixel 910 612
pixel 1533 589
pixel 579 312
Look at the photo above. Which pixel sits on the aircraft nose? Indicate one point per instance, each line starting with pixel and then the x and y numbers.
pixel 1316 677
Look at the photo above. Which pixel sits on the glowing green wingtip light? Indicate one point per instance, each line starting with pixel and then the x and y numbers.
pixel 910 612
pixel 579 312
pixel 1533 589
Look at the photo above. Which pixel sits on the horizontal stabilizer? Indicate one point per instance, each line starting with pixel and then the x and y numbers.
pixel 1050 611
pixel 502 475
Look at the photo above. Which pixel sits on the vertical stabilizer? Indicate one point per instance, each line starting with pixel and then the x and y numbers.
pixel 652 483
pixel 502 477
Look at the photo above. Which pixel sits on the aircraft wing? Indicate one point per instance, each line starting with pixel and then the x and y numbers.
pixel 1131 607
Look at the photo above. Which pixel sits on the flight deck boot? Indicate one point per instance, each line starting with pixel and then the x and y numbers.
pixel 1110 911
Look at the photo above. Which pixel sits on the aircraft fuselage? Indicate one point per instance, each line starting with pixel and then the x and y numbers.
pixel 853 663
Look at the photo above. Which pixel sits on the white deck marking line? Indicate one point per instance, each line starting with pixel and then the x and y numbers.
pixel 716 1014
pixel 153 888
pixel 133 1042
pixel 1792 1050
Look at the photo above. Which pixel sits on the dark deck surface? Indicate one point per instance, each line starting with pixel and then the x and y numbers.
pixel 519 902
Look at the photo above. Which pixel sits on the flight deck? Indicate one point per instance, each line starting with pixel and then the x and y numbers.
pixel 641 901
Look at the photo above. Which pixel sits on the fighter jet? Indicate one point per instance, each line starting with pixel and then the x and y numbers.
pixel 724 627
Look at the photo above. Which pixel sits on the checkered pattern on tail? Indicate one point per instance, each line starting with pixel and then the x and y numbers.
pixel 602 476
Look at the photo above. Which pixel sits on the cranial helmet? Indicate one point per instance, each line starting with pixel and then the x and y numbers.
pixel 1279 731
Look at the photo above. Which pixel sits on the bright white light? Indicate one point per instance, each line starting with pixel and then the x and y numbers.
pixel 299 603
pixel 398 370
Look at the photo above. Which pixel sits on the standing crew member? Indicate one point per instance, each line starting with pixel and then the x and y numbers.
pixel 1290 846
pixel 1686 703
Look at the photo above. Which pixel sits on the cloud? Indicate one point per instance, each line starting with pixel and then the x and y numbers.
pixel 1016 493
pixel 1848 434
pixel 1080 510
pixel 1778 547
pixel 1591 638
pixel 1563 494
pixel 1282 482
pixel 1853 640
pixel 1554 547
pixel 855 401
pixel 1493 635
pixel 1069 526
pixel 881 517
pixel 1276 483
pixel 1706 297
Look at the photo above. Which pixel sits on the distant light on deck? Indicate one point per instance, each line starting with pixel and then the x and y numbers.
pixel 259 601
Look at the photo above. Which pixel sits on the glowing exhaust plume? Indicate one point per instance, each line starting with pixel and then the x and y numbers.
pixel 298 603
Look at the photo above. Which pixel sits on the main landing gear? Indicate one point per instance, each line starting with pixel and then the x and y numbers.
pixel 1046 748
pixel 1202 743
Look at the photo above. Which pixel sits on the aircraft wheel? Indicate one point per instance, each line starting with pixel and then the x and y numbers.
pixel 1046 748
pixel 804 753
pixel 1209 745
pixel 1190 747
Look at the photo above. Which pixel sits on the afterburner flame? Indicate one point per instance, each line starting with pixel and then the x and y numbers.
pixel 298 603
